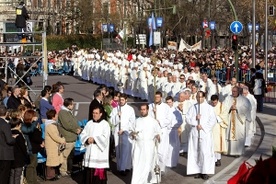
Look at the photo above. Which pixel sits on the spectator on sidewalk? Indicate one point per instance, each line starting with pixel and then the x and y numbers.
pixel 52 142
pixel 6 147
pixel 58 100
pixel 69 129
pixel 14 100
pixel 21 157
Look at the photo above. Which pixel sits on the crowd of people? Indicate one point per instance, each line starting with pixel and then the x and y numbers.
pixel 185 111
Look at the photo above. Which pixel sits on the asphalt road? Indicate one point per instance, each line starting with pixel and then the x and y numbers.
pixel 82 92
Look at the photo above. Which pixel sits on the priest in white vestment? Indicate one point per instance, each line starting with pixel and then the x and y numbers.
pixel 202 118
pixel 219 130
pixel 123 116
pixel 172 155
pixel 251 126
pixel 145 133
pixel 236 111
pixel 95 138
pixel 183 104
pixel 162 113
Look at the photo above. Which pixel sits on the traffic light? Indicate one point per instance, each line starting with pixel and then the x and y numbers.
pixel 271 10
pixel 235 42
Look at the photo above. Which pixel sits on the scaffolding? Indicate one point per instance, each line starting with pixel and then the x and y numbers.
pixel 15 79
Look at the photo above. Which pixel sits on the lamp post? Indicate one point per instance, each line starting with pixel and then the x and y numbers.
pixel 266 38
pixel 254 33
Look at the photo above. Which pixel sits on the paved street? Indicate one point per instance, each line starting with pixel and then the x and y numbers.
pixel 81 91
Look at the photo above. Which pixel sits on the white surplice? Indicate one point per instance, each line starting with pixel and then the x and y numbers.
pixel 96 155
pixel 172 155
pixel 163 116
pixel 144 151
pixel 123 148
pixel 201 158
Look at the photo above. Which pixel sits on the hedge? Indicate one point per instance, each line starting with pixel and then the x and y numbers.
pixel 61 42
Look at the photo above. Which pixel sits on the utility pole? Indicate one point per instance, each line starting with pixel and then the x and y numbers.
pixel 254 33
pixel 266 38
pixel 124 26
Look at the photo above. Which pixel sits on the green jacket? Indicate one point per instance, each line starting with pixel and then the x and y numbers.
pixel 68 125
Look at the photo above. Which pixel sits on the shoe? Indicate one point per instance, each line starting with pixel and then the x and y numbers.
pixel 123 173
pixel 197 176
pixel 204 176
pixel 183 154
pixel 64 174
pixel 218 163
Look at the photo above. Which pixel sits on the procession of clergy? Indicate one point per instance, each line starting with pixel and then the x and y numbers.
pixel 188 113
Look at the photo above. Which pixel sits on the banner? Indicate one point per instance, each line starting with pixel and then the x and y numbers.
pixel 185 46
pixel 152 27
pixel 157 38
pixel 196 46
pixel 172 45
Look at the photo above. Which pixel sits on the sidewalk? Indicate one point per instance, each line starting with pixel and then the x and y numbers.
pixel 264 139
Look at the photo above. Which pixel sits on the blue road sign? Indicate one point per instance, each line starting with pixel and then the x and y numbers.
pixel 212 25
pixel 236 27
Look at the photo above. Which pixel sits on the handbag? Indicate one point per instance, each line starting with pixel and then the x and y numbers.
pixel 61 148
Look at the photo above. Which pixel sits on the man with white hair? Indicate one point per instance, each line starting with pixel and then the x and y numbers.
pixel 251 126
pixel 183 104
pixel 236 111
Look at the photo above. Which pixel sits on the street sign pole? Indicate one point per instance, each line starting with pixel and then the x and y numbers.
pixel 236 27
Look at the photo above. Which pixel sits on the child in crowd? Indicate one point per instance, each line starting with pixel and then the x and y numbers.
pixel 20 152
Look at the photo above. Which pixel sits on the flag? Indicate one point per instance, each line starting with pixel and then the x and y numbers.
pixel 122 34
pixel 152 27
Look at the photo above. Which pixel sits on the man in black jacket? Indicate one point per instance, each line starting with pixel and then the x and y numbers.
pixel 96 102
pixel 6 147
pixel 14 101
pixel 21 17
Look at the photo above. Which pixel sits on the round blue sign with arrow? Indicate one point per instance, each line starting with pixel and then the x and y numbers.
pixel 236 27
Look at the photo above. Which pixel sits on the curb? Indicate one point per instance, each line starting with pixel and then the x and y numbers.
pixel 247 155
